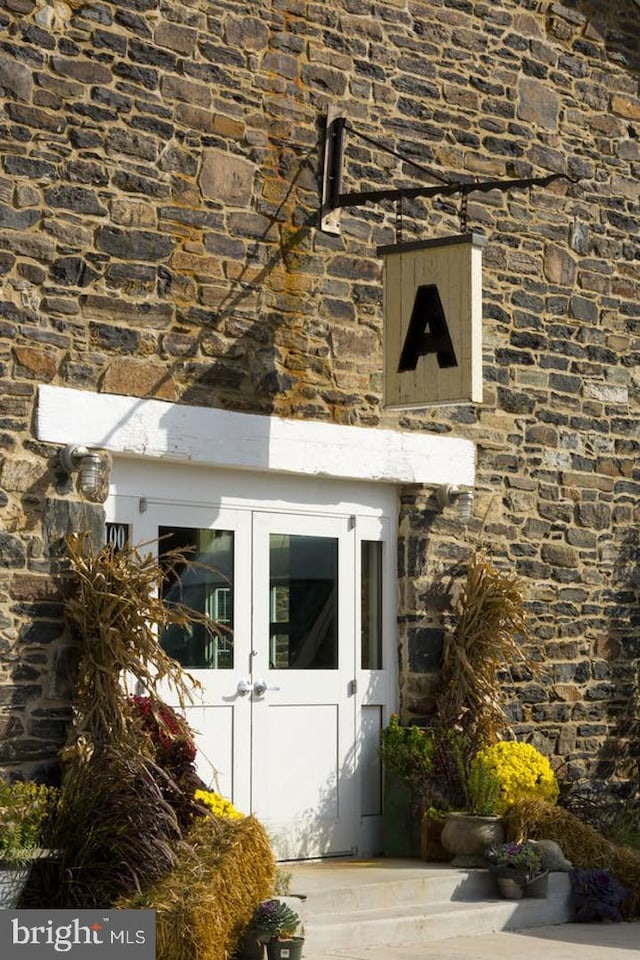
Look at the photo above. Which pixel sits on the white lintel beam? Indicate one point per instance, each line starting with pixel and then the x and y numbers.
pixel 223 438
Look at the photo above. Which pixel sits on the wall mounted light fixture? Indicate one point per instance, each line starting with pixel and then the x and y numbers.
pixel 448 495
pixel 88 464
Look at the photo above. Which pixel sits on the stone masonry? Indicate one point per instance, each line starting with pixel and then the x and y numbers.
pixel 160 167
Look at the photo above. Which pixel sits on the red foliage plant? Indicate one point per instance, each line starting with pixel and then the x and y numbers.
pixel 170 733
pixel 174 751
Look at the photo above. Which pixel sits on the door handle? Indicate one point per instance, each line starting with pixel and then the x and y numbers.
pixel 260 687
pixel 244 687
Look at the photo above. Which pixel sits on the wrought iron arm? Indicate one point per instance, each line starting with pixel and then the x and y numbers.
pixel 446 190
pixel 334 199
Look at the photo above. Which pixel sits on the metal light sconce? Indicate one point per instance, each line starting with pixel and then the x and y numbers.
pixel 88 464
pixel 448 495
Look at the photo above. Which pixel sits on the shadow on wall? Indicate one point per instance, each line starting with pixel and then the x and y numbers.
pixel 313 833
pixel 251 344
pixel 620 755
pixel 617 23
pixel 249 372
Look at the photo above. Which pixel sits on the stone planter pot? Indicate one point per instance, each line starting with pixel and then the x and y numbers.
pixel 12 880
pixel 515 887
pixel 467 837
pixel 539 887
pixel 509 889
pixel 26 879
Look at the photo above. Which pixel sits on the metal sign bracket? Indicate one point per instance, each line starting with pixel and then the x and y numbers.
pixel 334 199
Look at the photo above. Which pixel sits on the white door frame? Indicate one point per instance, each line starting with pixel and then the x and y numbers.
pixel 147 495
pixel 144 432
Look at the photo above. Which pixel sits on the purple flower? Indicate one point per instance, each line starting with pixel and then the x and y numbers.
pixel 596 894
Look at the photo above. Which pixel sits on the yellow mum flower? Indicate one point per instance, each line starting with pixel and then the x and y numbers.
pixel 218 805
pixel 522 772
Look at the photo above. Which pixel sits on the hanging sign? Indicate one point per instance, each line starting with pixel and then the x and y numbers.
pixel 433 321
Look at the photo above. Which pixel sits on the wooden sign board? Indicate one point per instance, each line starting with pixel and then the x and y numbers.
pixel 433 322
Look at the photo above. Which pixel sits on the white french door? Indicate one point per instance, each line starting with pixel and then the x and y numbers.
pixel 303 729
pixel 294 683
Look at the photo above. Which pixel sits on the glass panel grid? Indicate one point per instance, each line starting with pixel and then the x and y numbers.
pixel 371 605
pixel 303 602
pixel 198 573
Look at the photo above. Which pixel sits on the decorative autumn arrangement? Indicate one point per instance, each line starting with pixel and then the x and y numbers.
pixel 132 829
pixel 585 846
pixel 489 627
pixel 446 766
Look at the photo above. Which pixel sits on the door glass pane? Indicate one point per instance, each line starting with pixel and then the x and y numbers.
pixel 202 579
pixel 303 596
pixel 371 605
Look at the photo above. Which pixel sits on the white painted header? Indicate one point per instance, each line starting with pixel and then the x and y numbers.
pixel 213 437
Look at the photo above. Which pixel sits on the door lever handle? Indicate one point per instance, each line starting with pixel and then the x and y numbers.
pixel 260 688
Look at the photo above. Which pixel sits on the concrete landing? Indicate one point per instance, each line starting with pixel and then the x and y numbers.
pixel 383 909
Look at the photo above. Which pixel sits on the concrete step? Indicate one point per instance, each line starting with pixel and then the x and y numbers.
pixel 375 903
pixel 346 888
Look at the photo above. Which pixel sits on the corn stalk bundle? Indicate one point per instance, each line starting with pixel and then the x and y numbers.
pixel 115 828
pixel 489 624
pixel 115 611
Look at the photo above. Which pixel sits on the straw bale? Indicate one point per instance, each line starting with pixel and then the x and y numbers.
pixel 203 905
pixel 580 842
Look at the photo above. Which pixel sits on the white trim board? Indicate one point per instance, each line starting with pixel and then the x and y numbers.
pixel 223 438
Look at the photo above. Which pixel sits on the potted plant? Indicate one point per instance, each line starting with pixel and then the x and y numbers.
pixel 518 869
pixel 407 753
pixel 24 810
pixel 275 923
pixel 468 833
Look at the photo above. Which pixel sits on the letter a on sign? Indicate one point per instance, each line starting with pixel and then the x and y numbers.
pixel 427 315
pixel 433 322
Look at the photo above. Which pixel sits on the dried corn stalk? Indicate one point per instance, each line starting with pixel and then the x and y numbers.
pixel 115 612
pixel 490 623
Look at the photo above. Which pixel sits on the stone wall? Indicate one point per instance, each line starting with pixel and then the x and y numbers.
pixel 159 190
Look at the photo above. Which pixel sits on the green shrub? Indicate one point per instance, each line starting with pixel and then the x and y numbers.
pixel 25 808
pixel 407 753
